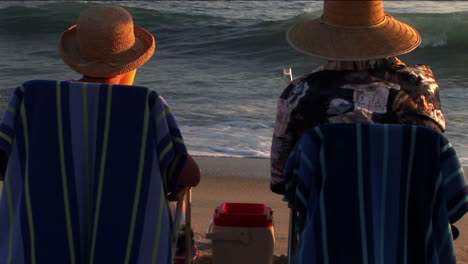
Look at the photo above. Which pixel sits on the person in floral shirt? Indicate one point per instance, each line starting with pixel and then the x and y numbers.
pixel 357 85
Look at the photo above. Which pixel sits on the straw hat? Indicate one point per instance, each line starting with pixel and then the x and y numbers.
pixel 353 31
pixel 105 43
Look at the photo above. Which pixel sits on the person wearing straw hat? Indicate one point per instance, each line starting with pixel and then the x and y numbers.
pixel 362 80
pixel 106 47
pixel 105 156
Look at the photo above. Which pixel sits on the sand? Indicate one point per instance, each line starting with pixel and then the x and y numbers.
pixel 218 185
pixel 223 182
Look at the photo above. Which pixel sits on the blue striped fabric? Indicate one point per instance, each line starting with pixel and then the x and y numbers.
pixel 89 169
pixel 375 194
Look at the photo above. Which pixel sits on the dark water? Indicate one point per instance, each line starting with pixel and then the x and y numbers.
pixel 219 63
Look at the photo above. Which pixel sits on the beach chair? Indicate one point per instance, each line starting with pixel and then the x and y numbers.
pixel 364 193
pixel 89 169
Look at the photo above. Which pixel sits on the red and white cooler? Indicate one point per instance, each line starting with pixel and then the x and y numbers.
pixel 242 233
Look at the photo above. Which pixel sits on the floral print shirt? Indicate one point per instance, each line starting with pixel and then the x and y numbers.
pixel 380 91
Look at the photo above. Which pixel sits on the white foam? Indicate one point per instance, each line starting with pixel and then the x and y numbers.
pixel 230 139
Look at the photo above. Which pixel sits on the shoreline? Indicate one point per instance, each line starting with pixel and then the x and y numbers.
pixel 259 168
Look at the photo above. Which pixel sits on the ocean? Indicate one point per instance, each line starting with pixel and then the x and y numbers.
pixel 219 64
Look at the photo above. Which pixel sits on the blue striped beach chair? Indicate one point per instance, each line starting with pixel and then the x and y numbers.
pixel 364 193
pixel 89 169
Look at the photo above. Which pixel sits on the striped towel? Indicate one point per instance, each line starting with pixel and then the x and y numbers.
pixel 375 194
pixel 89 169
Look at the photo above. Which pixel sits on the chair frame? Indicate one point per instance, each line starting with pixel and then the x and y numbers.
pixel 188 225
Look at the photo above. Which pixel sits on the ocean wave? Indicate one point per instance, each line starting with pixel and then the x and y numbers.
pixel 233 139
pixel 49 18
pixel 440 30
pixel 201 32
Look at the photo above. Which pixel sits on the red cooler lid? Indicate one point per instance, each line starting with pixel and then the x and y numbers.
pixel 243 215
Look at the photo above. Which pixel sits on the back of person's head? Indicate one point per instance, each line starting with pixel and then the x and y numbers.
pixel 104 42
pixel 352 30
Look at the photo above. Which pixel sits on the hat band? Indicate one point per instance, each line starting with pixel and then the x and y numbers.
pixel 323 21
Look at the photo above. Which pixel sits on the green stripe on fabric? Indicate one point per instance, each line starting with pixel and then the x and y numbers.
pixel 433 201
pixel 84 97
pixel 170 171
pixel 21 88
pixel 383 196
pixel 11 214
pixel 362 215
pixel 165 151
pixel 319 132
pixel 178 140
pixel 307 161
pixel 141 167
pixel 27 192
pixel 11 109
pixel 301 197
pixel 446 147
pixel 323 217
pixel 428 236
pixel 162 115
pixel 408 185
pixel 173 165
pixel 293 153
pixel 446 238
pixel 157 238
pixel 6 137
pixel 458 206
pixel 102 169
pixel 63 172
pixel 453 175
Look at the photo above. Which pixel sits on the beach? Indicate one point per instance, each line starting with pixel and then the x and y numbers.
pixel 246 180
pixel 220 66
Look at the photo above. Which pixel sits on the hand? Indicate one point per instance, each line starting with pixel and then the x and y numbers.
pixel 356 116
pixel 178 194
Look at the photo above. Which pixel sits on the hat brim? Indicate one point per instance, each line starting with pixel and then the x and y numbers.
pixel 390 38
pixel 139 54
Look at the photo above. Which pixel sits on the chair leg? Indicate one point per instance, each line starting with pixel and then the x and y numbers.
pixel 175 231
pixel 292 236
pixel 188 226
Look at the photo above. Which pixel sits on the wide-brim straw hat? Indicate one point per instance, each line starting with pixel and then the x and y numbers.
pixel 353 31
pixel 104 42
